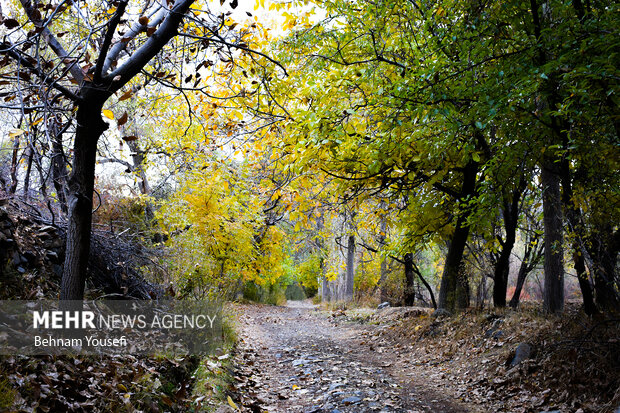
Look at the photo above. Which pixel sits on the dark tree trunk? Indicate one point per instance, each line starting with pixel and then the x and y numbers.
pixel 523 271
pixel 409 296
pixel 502 267
pixel 90 126
pixel 14 164
pixel 573 216
pixel 531 259
pixel 350 272
pixel 604 252
pixel 451 287
pixel 29 159
pixel 553 298
pixel 511 219
pixel 59 167
pixel 426 285
pixel 584 283
pixel 452 267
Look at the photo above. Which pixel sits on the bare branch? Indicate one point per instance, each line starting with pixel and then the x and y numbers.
pixel 34 16
pixel 156 17
pixel 107 41
pixel 167 30
pixel 25 61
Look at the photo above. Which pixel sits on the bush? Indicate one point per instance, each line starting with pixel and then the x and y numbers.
pixel 274 294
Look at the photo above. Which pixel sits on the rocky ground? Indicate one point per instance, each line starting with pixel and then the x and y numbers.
pixel 296 359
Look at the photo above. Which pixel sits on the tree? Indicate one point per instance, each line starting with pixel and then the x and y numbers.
pixel 433 101
pixel 86 65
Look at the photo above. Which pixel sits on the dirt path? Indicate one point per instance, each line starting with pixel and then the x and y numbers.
pixel 295 359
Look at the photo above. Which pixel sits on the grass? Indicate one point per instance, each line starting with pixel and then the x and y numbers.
pixel 214 374
pixel 7 394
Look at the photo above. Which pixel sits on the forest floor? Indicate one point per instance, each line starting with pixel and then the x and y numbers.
pixel 297 359
pixel 300 358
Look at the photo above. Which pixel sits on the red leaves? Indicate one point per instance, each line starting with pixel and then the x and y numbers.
pixel 125 95
pixel 122 120
pixel 11 23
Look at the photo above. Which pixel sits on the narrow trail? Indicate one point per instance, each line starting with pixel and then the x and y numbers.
pixel 295 359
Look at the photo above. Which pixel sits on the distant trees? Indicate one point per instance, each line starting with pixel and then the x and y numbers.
pixel 461 107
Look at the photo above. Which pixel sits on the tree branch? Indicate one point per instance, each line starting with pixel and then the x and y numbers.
pixel 167 30
pixel 107 40
pixel 34 16
pixel 10 50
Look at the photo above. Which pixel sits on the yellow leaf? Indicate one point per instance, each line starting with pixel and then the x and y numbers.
pixel 232 404
pixel 16 132
pixel 295 387
pixel 108 114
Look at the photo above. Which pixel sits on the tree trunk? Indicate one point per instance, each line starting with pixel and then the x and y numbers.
pixel 384 265
pixel 427 286
pixel 584 283
pixel 502 267
pixel 553 298
pixel 573 216
pixel 14 165
pixel 29 159
pixel 138 158
pixel 350 272
pixel 383 296
pixel 523 271
pixel 604 252
pixel 409 296
pixel 90 126
pixel 451 288
pixel 59 166
pixel 452 267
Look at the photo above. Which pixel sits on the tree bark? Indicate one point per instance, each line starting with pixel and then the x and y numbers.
pixel 89 128
pixel 59 167
pixel 427 286
pixel 29 158
pixel 553 297
pixel 516 296
pixel 502 267
pixel 14 165
pixel 350 272
pixel 450 290
pixel 452 267
pixel 409 296
pixel 384 265
pixel 605 245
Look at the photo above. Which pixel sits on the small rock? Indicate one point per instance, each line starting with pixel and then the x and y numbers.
pixel 334 386
pixel 441 312
pixel 351 400
pixel 522 352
